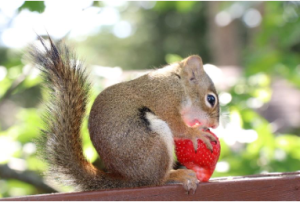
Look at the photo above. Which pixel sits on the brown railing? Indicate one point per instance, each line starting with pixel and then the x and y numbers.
pixel 267 187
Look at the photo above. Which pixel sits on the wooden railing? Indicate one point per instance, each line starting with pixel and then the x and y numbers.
pixel 274 186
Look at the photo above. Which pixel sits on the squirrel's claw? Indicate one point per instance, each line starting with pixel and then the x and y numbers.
pixel 185 177
pixel 190 187
pixel 195 143
pixel 207 138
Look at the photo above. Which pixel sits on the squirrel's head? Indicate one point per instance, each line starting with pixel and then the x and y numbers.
pixel 200 107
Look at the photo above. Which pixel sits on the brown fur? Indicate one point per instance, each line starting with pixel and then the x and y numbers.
pixel 133 153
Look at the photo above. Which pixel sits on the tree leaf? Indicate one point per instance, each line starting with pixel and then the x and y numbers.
pixel 38 6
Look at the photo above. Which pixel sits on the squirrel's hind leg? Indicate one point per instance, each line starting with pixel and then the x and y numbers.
pixel 143 152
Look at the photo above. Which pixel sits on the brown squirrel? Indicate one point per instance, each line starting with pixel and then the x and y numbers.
pixel 132 124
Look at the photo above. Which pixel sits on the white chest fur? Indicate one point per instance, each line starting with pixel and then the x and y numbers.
pixel 162 128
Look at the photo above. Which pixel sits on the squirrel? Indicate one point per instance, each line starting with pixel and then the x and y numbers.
pixel 131 124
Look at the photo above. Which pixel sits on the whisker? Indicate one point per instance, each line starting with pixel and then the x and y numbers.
pixel 225 115
pixel 221 115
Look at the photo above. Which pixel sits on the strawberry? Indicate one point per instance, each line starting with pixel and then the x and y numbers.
pixel 203 161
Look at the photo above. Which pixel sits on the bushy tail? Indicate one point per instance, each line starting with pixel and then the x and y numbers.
pixel 61 142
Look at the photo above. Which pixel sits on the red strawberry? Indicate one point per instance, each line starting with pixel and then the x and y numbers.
pixel 203 161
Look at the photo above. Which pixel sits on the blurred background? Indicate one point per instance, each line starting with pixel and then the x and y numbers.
pixel 250 49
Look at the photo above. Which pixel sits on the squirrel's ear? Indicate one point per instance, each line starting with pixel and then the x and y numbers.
pixel 193 67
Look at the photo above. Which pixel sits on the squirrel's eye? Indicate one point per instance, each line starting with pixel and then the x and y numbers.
pixel 211 100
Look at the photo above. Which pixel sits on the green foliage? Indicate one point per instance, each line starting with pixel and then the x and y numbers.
pixel 157 32
pixel 274 54
pixel 171 58
pixel 276 48
pixel 38 6
pixel 164 34
pixel 180 6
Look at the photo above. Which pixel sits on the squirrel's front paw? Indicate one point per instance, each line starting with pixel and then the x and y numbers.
pixel 185 177
pixel 206 137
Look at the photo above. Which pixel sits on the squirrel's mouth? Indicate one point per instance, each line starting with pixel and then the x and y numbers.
pixel 194 123
pixel 197 124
